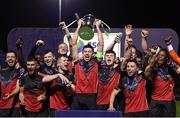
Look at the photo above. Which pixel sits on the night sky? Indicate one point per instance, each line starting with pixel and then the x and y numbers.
pixel 45 13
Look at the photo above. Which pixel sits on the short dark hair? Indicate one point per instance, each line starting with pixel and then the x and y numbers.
pixel 39 53
pixel 63 43
pixel 132 60
pixel 139 54
pixel 11 51
pixel 47 51
pixel 31 59
pixel 167 54
pixel 110 51
pixel 62 55
pixel 88 46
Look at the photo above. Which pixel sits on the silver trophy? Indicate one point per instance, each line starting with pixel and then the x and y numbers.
pixel 86 32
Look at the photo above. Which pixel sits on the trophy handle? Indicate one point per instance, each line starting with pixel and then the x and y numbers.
pixel 105 31
pixel 106 25
pixel 77 18
pixel 71 23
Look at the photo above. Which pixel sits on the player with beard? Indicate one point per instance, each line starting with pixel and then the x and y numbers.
pixel 47 68
pixel 109 75
pixel 133 85
pixel 9 86
pixel 61 94
pixel 32 90
pixel 43 67
pixel 160 72
pixel 86 71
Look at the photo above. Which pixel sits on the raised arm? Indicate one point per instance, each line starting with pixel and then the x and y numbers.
pixel 19 45
pixel 68 35
pixel 100 45
pixel 111 46
pixel 100 36
pixel 33 50
pixel 127 56
pixel 171 51
pixel 74 40
pixel 144 35
pixel 128 39
pixel 149 68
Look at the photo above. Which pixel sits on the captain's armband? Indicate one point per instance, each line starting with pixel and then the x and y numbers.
pixel 99 54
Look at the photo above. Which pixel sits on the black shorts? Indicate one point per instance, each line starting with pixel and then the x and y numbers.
pixel 136 114
pixel 14 112
pixel 102 107
pixel 52 112
pixel 41 113
pixel 84 102
pixel 162 108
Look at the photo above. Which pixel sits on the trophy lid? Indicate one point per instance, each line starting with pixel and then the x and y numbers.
pixel 89 16
pixel 89 20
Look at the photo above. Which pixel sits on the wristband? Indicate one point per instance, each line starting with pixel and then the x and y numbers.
pixel 169 47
